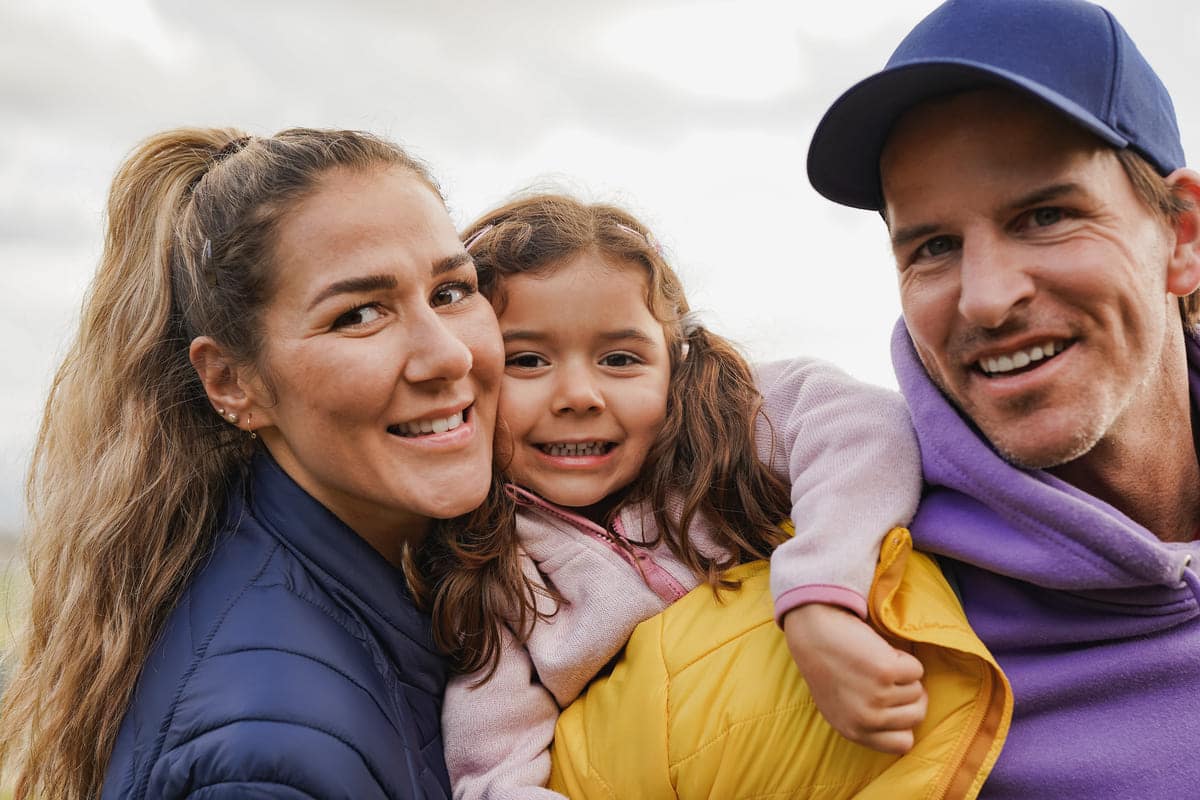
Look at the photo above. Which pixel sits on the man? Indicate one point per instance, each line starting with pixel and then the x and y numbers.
pixel 1027 163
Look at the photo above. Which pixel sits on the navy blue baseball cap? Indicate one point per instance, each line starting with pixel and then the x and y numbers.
pixel 1070 54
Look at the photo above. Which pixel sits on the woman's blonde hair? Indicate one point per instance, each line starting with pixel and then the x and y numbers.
pixel 703 461
pixel 132 467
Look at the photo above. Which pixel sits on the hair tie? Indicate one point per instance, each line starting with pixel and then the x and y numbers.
pixel 647 236
pixel 232 148
pixel 475 237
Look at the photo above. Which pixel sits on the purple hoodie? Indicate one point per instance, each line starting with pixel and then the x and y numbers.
pixel 1095 621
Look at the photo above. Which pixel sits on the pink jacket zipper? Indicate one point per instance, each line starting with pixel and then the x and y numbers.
pixel 660 581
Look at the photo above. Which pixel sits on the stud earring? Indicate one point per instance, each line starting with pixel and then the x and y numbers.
pixel 232 417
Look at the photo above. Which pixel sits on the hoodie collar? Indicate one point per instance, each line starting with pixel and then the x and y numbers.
pixel 1056 536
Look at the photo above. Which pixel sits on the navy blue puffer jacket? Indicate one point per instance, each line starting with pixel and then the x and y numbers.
pixel 295 666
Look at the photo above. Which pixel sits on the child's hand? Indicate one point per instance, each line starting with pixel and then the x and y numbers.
pixel 870 692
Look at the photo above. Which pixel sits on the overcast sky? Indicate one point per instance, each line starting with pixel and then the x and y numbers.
pixel 695 115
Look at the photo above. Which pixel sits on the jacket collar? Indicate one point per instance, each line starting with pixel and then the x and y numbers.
pixel 349 568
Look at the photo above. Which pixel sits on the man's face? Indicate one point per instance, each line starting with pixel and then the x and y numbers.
pixel 1033 280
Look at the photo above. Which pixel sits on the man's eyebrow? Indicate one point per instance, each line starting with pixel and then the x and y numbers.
pixel 356 285
pixel 906 236
pixel 1043 195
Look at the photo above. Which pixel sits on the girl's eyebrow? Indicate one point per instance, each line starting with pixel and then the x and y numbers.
pixel 626 334
pixel 523 335
pixel 623 335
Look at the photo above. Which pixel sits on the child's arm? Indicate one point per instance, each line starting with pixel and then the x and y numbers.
pixel 848 451
pixel 497 735
pixel 867 690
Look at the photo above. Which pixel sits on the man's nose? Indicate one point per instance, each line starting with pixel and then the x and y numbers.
pixel 995 281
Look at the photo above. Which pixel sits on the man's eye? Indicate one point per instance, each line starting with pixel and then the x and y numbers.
pixel 355 317
pixel 937 246
pixel 452 293
pixel 525 361
pixel 1046 216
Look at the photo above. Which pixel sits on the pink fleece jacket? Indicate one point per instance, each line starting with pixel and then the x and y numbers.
pixel 847 449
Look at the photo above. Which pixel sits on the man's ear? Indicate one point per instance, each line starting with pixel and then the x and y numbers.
pixel 1183 267
pixel 233 390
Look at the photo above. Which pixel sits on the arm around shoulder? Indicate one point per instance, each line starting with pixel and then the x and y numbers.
pixel 848 450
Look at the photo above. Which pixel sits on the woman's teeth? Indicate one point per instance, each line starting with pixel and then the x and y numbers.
pixel 575 449
pixel 1020 358
pixel 424 426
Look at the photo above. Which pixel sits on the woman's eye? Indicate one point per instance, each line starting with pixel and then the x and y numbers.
pixel 620 360
pixel 935 247
pixel 525 361
pixel 452 293
pixel 362 315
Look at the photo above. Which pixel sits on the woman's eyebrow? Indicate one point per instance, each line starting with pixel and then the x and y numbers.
pixel 359 284
pixel 451 263
pixel 382 281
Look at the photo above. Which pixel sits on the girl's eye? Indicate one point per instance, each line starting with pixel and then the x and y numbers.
pixel 525 361
pixel 620 360
pixel 452 293
pixel 357 317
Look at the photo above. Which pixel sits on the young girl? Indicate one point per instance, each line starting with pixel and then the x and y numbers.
pixel 643 462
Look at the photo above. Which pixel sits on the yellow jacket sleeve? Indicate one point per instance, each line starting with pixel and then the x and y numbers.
pixel 706 702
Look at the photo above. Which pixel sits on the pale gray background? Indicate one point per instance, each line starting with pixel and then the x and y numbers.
pixel 696 115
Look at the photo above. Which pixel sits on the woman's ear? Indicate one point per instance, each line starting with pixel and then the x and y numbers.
pixel 1183 267
pixel 232 389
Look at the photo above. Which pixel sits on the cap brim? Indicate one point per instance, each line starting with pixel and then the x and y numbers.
pixel 843 159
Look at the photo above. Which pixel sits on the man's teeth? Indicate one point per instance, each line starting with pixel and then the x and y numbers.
pixel 429 425
pixel 575 449
pixel 1021 358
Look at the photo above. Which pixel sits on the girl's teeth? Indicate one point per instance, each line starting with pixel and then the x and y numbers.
pixel 574 449
pixel 429 425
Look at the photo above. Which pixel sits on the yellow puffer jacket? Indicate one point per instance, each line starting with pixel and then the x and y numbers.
pixel 707 703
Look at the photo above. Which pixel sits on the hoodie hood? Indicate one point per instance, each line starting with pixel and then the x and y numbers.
pixel 1053 535
pixel 1094 621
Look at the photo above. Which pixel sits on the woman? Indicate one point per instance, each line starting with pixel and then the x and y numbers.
pixel 284 373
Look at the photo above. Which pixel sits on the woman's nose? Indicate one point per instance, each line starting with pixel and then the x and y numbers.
pixel 436 351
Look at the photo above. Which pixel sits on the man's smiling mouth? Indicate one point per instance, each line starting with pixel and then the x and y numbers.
pixel 1021 359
